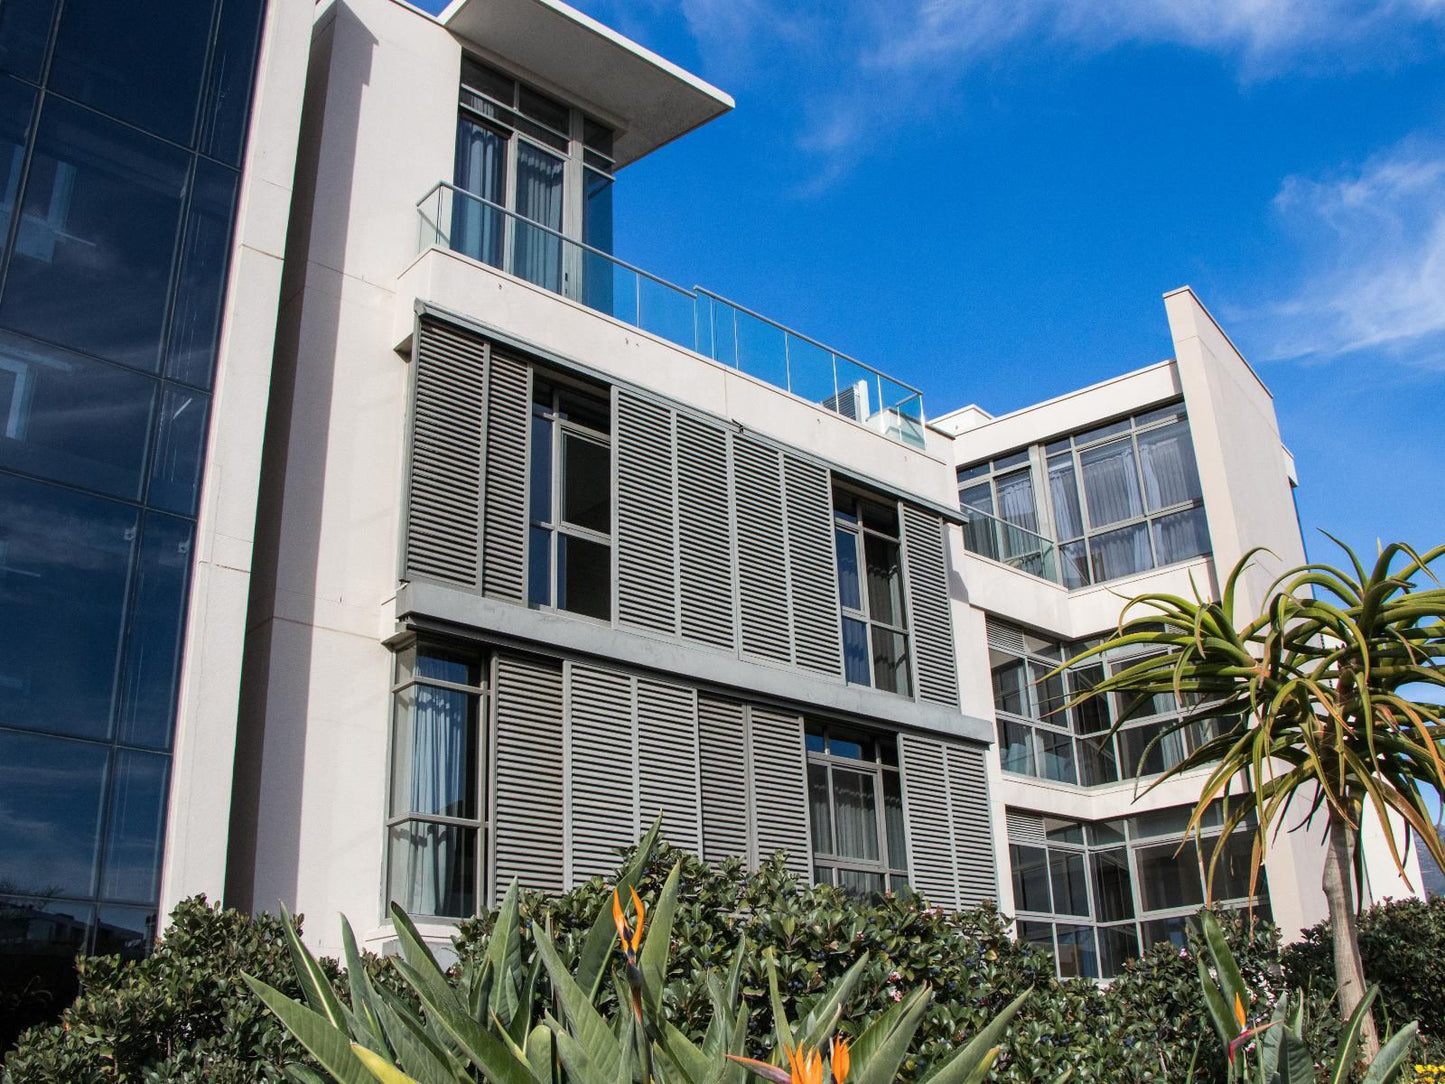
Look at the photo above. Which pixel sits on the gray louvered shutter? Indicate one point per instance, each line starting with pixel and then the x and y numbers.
pixel 1004 636
pixel 527 785
pixel 764 612
pixel 444 483
pixel 1026 828
pixel 780 792
pixel 812 565
pixel 509 414
pixel 973 844
pixel 646 542
pixel 722 751
pixel 602 814
pixel 929 606
pixel 704 526
pixel 950 829
pixel 930 827
pixel 667 761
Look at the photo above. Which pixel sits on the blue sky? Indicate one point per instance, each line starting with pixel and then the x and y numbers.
pixel 987 198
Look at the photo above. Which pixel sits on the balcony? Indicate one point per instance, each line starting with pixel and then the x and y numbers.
pixel 695 319
pixel 994 538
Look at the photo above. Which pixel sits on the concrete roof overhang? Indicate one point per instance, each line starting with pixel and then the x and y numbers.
pixel 652 100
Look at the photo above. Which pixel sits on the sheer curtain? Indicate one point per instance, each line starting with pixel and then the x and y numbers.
pixel 440 785
pixel 856 815
pixel 477 229
pixel 1016 501
pixel 1111 483
pixel 538 254
pixel 1064 497
pixel 1167 458
pixel 1121 553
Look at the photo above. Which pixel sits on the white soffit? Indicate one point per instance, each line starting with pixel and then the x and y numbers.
pixel 655 99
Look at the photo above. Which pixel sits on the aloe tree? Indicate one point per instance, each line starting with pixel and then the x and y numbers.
pixel 1314 715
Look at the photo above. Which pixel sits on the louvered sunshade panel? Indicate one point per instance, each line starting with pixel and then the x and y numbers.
pixel 646 515
pixel 780 795
pixel 667 761
pixel 527 786
pixel 1026 828
pixel 705 562
pixel 504 520
pixel 930 824
pixel 722 749
pixel 931 614
pixel 601 769
pixel 1004 637
pixel 444 483
pixel 764 612
pixel 817 635
pixel 973 842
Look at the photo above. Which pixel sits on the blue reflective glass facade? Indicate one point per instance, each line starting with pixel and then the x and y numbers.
pixel 121 133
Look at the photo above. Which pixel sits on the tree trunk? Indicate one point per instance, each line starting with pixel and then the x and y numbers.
pixel 1339 886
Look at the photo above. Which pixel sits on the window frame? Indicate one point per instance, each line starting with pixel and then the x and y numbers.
pixel 892 874
pixel 853 524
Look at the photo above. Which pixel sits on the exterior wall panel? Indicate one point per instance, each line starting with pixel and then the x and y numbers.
pixel 930 611
pixel 646 515
pixel 780 802
pixel 817 625
pixel 529 792
pixel 705 533
pixel 764 605
pixel 504 518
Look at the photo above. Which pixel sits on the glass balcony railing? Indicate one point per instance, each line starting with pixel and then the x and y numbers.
pixel 696 319
pixel 999 540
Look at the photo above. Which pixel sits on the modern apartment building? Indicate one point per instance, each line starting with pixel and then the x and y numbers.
pixel 500 546
pixel 148 157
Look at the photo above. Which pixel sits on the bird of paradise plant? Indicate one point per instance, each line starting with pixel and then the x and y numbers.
pixel 1312 704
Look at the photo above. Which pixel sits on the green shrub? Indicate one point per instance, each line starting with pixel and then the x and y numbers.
pixel 180 1014
pixel 1403 946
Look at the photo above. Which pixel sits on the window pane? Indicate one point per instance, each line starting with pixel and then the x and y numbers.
pixel 478 229
pixel 226 97
pixel 845 747
pixel 1169 880
pixel 17 103
pixel 979 496
pixel 435 765
pixel 1015 747
pixel 1038 934
pixel 153 643
pixel 1169 931
pixel 1117 944
pixel 180 446
pixel 1113 887
pixel 24 34
pixel 1066 872
pixel 1057 756
pixel 597 282
pixel 1111 483
pixel 1097 762
pixel 1064 498
pixel 1049 688
pixel 1142 754
pixel 1181 536
pixel 537 254
pixel 1016 500
pixel 140 61
pixel 539 567
pixel 1031 879
pixel 1231 873
pixel 1091 716
pixel 819 809
pixel 41 934
pixel 586 483
pixel 127 932
pixel 539 482
pixel 92 260
pixel 856 652
pixel 196 321
pixel 850 595
pixel 1077 956
pixel 893 821
pixel 71 419
pixel 1121 553
pixel 879 517
pixel 585 577
pixel 132 863
pixel 433 869
pixel 1074 564
pixel 885 583
pixel 64 576
pixel 890 661
pixel 858 883
pixel 855 809
pixel 56 783
pixel 1166 457
pixel 460 668
pixel 1010 693
pixel 592 411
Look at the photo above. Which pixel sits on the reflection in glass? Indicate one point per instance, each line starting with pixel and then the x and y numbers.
pixel 1117 944
pixel 537 253
pixel 180 444
pixel 24 34
pixel 1066 872
pixel 860 883
pixel 226 96
pixel 1113 886
pixel 58 784
pixel 64 566
pixel 17 103
pixel 819 809
pixel 586 483
pixel 584 577
pixel 478 230
pixel 432 868
pixel 885 584
pixel 1015 747
pixel 1122 552
pixel 153 642
pixel 1077 956
pixel 1169 876
pixel 196 319
pixel 856 652
pixel 127 932
pixel 132 861
pixel 893 821
pixel 1181 536
pixel 101 210
pixel 850 595
pixel 1057 756
pixel 1031 878
pixel 890 661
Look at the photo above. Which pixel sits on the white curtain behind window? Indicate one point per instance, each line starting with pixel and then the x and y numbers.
pixel 440 749
pixel 539 199
pixel 477 229
pixel 1167 458
pixel 1111 483
pixel 856 815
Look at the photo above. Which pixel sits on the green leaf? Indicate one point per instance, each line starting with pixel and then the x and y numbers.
pixel 597 947
pixel 1296 1063
pixel 424 973
pixel 483 1049
pixel 780 1016
pixel 379 1067
pixel 366 1026
pixel 823 1017
pixel 1231 982
pixel 653 958
pixel 504 952
pixel 576 1058
pixel 970 1064
pixel 327 1043
pixel 541 1049
pixel 314 984
pixel 882 1065
pixel 695 1066
pixel 1392 1056
pixel 1350 1037
pixel 1220 1014
pixel 584 1021
pixel 419 1054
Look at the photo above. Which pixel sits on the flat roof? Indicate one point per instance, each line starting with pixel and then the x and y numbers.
pixel 652 99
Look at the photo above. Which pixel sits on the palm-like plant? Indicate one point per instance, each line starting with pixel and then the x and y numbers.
pixel 1313 712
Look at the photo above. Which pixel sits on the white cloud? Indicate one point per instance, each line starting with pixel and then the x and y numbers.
pixel 1374 245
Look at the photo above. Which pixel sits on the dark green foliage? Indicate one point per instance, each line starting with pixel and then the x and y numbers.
pixel 1403 946
pixel 180 1014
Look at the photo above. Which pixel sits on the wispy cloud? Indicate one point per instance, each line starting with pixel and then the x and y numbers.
pixel 1373 277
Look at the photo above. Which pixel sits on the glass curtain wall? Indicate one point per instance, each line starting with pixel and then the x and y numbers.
pixel 121 136
pixel 1094 894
